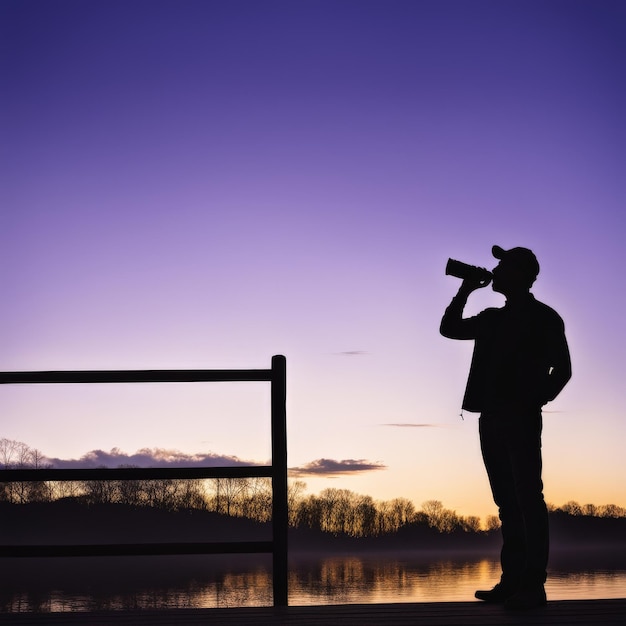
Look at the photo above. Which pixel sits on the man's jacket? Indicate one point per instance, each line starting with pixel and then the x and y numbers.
pixel 521 358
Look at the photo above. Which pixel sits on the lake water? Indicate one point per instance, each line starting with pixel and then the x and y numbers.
pixel 85 584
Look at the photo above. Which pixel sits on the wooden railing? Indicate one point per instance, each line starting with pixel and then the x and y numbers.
pixel 277 471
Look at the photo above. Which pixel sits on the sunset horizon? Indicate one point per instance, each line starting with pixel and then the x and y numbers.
pixel 320 469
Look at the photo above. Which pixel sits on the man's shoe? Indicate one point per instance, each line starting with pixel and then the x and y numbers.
pixel 527 598
pixel 498 595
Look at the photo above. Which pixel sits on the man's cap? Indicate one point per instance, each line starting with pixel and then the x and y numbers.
pixel 524 258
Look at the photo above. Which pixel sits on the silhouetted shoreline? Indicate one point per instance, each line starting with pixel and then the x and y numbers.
pixel 74 521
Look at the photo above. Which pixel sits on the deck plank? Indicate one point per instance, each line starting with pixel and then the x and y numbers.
pixel 566 612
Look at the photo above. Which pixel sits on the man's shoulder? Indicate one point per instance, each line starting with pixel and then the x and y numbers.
pixel 545 312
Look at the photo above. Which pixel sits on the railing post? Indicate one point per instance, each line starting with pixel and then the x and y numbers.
pixel 280 513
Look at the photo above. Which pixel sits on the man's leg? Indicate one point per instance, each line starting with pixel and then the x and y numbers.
pixel 525 454
pixel 494 441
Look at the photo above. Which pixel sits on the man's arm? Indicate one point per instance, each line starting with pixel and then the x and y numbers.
pixel 453 325
pixel 561 367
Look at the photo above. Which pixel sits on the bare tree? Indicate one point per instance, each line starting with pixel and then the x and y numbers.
pixel 295 489
pixel 365 517
pixel 228 495
pixel 590 510
pixel 335 510
pixel 611 510
pixel 434 512
pixel 572 508
pixel 192 494
pixel 444 520
pixel 257 501
pixel 100 491
pixel 18 455
pixel 9 452
pixel 470 524
pixel 310 513
pixel 66 489
pixel 384 518
pixel 401 512
pixel 131 492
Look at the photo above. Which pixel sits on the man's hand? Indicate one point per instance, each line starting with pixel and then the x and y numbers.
pixel 472 284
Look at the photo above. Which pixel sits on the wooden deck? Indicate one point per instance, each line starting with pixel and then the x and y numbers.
pixel 566 612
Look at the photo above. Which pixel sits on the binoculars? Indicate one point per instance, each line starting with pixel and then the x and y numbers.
pixel 463 271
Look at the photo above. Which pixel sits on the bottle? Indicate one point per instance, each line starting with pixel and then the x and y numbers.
pixel 463 271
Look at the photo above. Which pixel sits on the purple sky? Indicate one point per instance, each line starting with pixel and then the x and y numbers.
pixel 205 184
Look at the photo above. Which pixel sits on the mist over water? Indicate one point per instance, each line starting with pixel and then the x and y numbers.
pixel 126 583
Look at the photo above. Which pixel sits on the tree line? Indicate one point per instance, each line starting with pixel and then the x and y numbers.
pixel 336 511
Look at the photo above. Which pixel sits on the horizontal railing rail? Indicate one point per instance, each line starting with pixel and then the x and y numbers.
pixel 277 471
pixel 136 376
pixel 134 473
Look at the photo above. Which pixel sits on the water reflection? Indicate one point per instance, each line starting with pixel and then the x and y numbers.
pixel 88 584
pixel 407 578
pixel 338 580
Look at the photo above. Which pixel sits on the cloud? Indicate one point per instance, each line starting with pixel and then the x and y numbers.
pixel 352 353
pixel 148 457
pixel 330 467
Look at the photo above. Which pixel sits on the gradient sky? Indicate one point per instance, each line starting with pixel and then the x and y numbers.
pixel 192 184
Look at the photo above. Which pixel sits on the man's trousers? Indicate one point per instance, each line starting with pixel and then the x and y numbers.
pixel 511 448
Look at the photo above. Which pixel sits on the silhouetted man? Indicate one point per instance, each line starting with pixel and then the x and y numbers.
pixel 520 362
